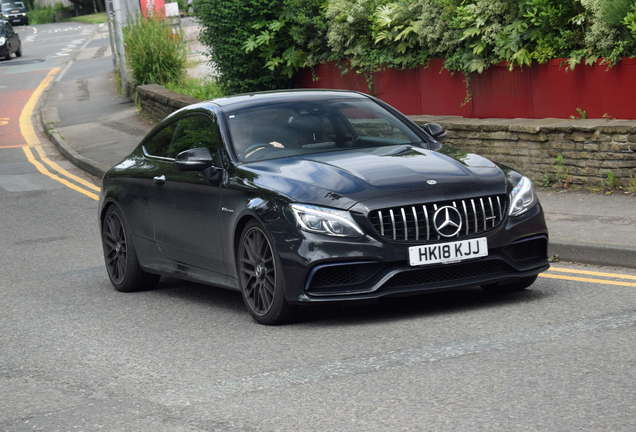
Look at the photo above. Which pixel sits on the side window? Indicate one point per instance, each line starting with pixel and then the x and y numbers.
pixel 194 132
pixel 159 145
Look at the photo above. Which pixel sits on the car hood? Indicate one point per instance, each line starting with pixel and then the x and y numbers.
pixel 379 177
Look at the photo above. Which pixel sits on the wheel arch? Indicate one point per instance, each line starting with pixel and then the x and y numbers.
pixel 238 232
pixel 108 203
pixel 259 210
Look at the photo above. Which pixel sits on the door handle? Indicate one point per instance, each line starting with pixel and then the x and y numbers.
pixel 160 179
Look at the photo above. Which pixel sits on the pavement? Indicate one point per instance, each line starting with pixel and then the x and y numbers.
pixel 90 124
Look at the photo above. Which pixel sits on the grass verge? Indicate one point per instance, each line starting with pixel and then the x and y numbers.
pixel 96 18
pixel 203 89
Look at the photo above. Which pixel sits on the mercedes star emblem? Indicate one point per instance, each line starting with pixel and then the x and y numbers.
pixel 447 221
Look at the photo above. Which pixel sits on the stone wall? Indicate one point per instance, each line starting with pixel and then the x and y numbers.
pixel 589 148
pixel 158 102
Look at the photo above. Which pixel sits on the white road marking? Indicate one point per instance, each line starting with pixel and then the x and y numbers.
pixel 69 48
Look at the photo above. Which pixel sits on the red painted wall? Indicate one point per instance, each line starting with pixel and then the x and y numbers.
pixel 539 91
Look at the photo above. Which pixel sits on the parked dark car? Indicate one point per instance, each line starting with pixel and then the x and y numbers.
pixel 9 41
pixel 15 12
pixel 304 197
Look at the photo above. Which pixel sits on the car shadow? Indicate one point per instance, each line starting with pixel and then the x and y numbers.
pixel 201 294
pixel 383 310
pixel 418 306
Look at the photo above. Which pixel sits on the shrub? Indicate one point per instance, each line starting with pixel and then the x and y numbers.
pixel 225 27
pixel 434 29
pixel 297 38
pixel 44 14
pixel 41 15
pixel 608 34
pixel 154 53
pixel 348 36
pixel 258 45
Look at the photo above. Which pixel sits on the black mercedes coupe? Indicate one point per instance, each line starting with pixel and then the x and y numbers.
pixel 303 197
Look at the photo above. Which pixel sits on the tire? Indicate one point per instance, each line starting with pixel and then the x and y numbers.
pixel 518 285
pixel 8 56
pixel 120 256
pixel 260 277
pixel 18 53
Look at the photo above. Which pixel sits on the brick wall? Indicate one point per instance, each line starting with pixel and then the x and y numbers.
pixel 589 148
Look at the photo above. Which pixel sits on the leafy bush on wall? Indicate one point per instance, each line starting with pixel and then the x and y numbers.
pixel 259 45
pixel 225 26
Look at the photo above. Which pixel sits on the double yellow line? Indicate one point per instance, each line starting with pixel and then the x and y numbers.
pixel 590 273
pixel 33 142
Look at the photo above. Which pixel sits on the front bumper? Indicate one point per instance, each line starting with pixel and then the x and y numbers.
pixel 17 19
pixel 319 269
pixel 375 279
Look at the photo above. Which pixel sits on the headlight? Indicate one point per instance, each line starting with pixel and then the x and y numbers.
pixel 522 197
pixel 322 220
pixel 2 40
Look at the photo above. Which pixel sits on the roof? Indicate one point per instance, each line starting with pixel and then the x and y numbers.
pixel 250 100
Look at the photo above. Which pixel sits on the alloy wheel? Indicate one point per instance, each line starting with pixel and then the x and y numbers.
pixel 115 248
pixel 258 271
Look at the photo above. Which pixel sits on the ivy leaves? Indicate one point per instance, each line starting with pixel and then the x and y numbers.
pixel 292 41
pixel 260 44
pixel 532 33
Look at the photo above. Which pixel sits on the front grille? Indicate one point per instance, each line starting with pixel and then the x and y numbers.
pixel 448 273
pixel 331 276
pixel 415 223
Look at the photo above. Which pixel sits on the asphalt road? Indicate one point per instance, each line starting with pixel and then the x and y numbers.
pixel 77 355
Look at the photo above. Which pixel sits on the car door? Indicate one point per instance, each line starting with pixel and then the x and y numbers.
pixel 14 39
pixel 15 42
pixel 185 205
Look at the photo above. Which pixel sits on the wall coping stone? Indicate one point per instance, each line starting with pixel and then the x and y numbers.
pixel 166 96
pixel 532 126
pixel 529 125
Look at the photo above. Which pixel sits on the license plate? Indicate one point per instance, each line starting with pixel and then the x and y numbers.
pixel 448 252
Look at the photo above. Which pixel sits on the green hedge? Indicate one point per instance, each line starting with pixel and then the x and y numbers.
pixel 259 45
pixel 225 26
pixel 44 14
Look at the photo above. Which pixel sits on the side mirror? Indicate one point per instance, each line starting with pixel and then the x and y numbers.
pixel 196 159
pixel 436 131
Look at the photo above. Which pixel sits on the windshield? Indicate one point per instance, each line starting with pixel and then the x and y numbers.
pixel 296 128
pixel 13 5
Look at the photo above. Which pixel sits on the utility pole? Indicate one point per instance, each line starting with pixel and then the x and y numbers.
pixel 120 48
pixel 111 33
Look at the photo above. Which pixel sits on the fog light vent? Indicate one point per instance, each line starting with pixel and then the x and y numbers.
pixel 329 276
